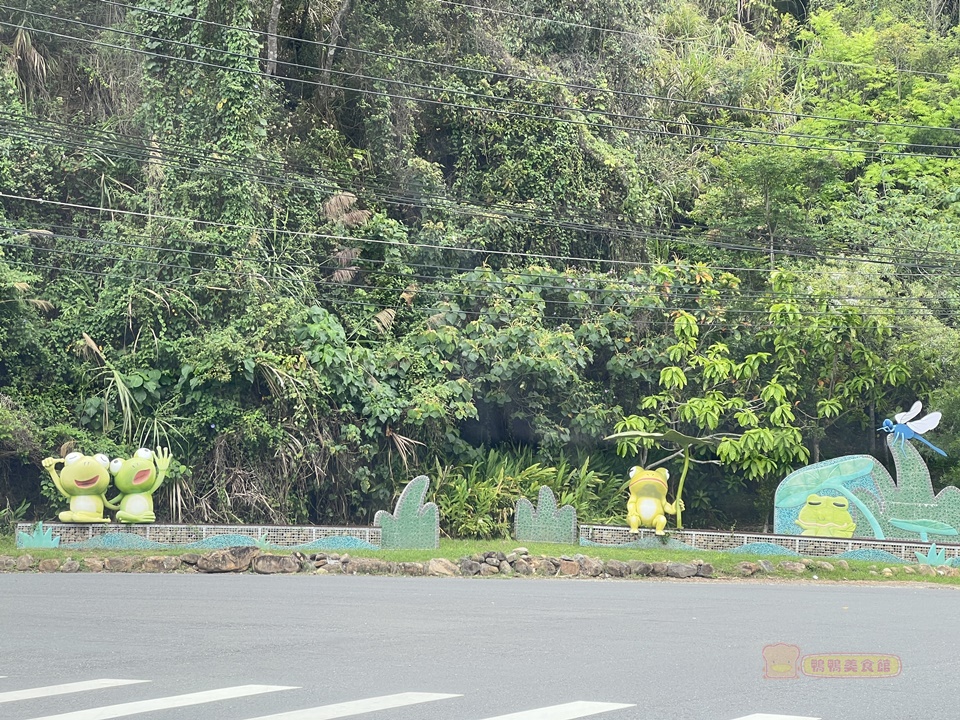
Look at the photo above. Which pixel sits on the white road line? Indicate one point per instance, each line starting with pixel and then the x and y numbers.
pixel 767 716
pixel 568 711
pixel 358 707
pixel 165 703
pixel 49 690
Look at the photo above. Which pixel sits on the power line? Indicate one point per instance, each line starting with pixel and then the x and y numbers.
pixel 509 113
pixel 353 239
pixel 481 96
pixel 616 291
pixel 651 36
pixel 456 206
pixel 720 315
pixel 71 234
pixel 491 211
pixel 537 81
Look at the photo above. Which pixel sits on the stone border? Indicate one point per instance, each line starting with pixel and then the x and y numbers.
pixel 517 563
pixel 718 542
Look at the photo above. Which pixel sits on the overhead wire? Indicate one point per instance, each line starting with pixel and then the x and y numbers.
pixel 705 139
pixel 651 36
pixel 718 315
pixel 432 246
pixel 615 291
pixel 489 210
pixel 685 239
pixel 72 233
pixel 539 81
pixel 423 201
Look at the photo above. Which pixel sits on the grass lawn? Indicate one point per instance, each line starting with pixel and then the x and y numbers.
pixel 725 564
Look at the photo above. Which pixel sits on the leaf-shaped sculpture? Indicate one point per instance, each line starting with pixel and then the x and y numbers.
pixel 39 538
pixel 413 524
pixel 798 485
pixel 677 438
pixel 933 556
pixel 924 527
pixel 829 475
pixel 546 523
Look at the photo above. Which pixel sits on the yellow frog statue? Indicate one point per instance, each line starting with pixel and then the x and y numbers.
pixel 648 506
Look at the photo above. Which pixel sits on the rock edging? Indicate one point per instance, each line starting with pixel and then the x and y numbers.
pixel 518 562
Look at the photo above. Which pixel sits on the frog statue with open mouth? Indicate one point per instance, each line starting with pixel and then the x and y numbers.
pixel 83 481
pixel 137 479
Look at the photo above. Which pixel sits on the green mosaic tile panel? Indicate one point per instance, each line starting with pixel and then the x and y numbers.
pixel 546 522
pixel 413 524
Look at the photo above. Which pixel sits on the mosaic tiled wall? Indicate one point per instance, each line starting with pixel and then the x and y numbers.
pixel 413 524
pixel 815 547
pixel 871 504
pixel 546 523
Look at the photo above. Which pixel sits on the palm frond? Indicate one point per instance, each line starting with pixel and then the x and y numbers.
pixel 384 319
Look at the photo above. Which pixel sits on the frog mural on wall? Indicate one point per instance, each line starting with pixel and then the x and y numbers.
pixel 855 496
pixel 826 516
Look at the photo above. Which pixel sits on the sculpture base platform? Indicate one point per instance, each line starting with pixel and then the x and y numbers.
pixel 117 536
pixel 903 551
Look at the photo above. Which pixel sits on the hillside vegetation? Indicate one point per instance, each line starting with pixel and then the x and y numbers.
pixel 318 247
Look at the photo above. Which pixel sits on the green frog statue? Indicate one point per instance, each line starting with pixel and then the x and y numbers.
pixel 83 481
pixel 137 479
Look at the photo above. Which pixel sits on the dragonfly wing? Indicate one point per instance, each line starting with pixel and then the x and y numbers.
pixel 927 422
pixel 908 414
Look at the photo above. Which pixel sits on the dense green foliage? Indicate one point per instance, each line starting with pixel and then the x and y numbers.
pixel 318 247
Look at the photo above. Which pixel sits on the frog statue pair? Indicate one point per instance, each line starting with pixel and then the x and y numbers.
pixel 84 480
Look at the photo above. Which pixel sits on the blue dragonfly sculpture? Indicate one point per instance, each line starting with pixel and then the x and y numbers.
pixel 904 427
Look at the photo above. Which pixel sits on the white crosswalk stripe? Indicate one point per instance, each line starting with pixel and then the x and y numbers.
pixel 64 689
pixel 350 708
pixel 358 707
pixel 568 711
pixel 166 703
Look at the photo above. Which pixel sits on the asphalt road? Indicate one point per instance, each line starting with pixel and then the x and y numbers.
pixel 687 650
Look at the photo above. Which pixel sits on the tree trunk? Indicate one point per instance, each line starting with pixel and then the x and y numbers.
pixel 336 35
pixel 272 38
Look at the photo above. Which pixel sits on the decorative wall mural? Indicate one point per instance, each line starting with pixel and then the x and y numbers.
pixel 855 496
